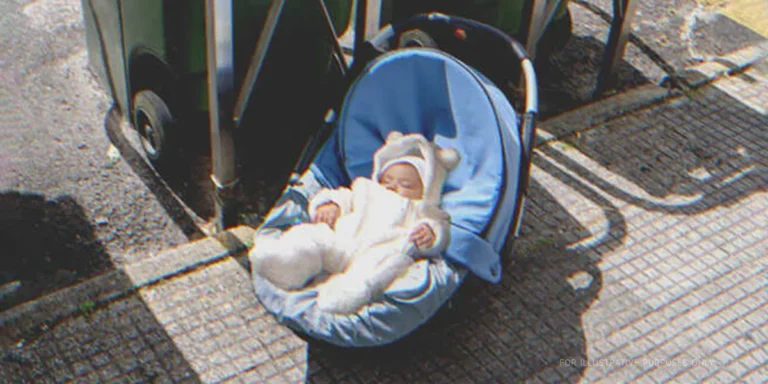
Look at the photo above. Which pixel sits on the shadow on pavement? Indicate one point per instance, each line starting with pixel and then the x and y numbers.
pixel 702 151
pixel 122 342
pixel 47 245
pixel 570 78
pixel 50 245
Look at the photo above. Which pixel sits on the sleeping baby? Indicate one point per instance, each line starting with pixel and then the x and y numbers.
pixel 366 236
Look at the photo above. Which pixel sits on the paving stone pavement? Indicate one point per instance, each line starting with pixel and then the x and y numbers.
pixel 644 258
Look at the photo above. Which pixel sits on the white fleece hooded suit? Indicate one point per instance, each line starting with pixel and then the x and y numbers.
pixel 369 247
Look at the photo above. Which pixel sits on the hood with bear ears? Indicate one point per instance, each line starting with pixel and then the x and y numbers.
pixel 438 161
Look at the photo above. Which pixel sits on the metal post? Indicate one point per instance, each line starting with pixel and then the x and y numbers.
pixel 623 12
pixel 534 26
pixel 542 12
pixel 361 23
pixel 220 54
pixel 369 22
pixel 257 60
pixel 372 18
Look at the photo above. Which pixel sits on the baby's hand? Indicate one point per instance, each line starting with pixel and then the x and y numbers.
pixel 327 213
pixel 423 236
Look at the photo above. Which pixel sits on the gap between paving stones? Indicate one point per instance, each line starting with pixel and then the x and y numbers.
pixel 26 322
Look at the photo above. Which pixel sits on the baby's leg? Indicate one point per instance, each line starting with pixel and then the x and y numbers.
pixel 294 258
pixel 338 255
pixel 368 276
pixel 380 268
pixel 346 248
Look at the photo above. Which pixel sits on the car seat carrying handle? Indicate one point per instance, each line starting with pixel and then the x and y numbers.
pixel 465 27
pixel 420 21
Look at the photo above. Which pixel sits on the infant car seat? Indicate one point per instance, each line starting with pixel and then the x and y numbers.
pixel 426 91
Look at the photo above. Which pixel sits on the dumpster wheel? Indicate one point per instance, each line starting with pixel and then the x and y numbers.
pixel 416 38
pixel 153 120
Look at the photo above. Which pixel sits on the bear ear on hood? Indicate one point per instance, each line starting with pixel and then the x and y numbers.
pixel 393 136
pixel 449 157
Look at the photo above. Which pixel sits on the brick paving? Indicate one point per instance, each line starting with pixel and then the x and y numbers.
pixel 644 258
pixel 121 343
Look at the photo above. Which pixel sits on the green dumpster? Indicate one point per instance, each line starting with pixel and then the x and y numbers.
pixel 151 57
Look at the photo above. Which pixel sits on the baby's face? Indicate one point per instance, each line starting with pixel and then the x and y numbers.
pixel 404 180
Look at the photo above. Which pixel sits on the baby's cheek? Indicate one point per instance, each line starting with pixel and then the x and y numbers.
pixel 409 194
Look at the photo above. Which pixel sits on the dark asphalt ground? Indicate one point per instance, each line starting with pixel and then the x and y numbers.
pixel 76 198
pixel 62 183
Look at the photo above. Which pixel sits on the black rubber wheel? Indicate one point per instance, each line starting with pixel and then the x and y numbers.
pixel 155 123
pixel 416 38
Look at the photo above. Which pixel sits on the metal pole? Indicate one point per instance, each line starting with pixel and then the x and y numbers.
pixel 220 54
pixel 361 12
pixel 257 60
pixel 623 12
pixel 542 12
pixel 534 26
pixel 372 18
